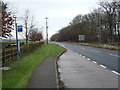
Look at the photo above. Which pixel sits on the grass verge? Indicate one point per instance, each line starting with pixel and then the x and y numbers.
pixel 18 79
pixel 105 46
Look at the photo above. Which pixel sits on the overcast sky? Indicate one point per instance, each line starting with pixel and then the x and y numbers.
pixel 59 12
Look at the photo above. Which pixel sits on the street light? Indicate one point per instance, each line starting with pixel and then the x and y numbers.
pixel 46 30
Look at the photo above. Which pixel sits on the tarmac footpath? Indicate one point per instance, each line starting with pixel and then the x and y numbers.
pixel 77 71
pixel 45 75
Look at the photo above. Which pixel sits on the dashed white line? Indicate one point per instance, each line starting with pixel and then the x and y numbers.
pixel 114 55
pixel 95 50
pixel 103 66
pixel 82 48
pixel 116 72
pixel 94 61
pixel 84 57
pixel 88 59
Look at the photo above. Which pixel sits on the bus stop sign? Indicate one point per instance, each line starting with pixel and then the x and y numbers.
pixel 20 28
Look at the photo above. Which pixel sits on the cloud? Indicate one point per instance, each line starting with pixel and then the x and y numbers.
pixel 60 12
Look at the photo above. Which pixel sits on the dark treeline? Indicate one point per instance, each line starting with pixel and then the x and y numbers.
pixel 101 25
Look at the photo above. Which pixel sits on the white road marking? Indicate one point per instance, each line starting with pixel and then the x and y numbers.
pixel 94 61
pixel 84 57
pixel 76 52
pixel 116 72
pixel 82 48
pixel 88 58
pixel 114 55
pixel 95 50
pixel 103 66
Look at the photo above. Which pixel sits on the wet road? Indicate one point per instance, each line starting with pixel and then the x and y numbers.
pixel 108 58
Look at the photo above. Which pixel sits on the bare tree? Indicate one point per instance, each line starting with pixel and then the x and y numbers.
pixel 26 22
pixel 35 34
pixel 110 9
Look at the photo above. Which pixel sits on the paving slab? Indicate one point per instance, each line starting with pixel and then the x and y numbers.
pixel 45 75
pixel 78 72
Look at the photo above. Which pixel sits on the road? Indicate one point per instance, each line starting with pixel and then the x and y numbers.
pixel 106 58
pixel 79 72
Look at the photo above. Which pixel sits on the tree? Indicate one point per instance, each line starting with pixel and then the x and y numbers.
pixel 25 19
pixel 7 20
pixel 55 37
pixel 110 10
pixel 35 35
pixel 102 25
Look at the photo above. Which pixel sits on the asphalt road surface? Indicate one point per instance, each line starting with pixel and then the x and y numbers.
pixel 107 58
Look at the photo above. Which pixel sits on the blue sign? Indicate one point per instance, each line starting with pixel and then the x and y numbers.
pixel 20 28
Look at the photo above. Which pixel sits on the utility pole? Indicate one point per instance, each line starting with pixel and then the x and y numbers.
pixel 46 30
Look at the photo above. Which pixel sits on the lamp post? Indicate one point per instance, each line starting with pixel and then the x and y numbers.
pixel 46 30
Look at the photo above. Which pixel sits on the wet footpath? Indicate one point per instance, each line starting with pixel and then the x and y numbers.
pixel 76 71
pixel 45 75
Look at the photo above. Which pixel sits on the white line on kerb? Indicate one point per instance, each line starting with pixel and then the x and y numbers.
pixel 88 59
pixel 116 72
pixel 103 66
pixel 94 61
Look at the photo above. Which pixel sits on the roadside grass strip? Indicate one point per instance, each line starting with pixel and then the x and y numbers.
pixel 15 78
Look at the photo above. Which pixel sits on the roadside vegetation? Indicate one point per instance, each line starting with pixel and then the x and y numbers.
pixel 15 78
pixel 101 25
pixel 97 45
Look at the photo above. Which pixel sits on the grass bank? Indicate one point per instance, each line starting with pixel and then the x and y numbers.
pixel 18 79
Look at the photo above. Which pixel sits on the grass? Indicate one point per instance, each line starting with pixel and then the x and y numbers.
pixel 18 79
pixel 105 46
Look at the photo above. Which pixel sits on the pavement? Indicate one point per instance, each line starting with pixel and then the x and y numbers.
pixel 45 75
pixel 108 58
pixel 77 71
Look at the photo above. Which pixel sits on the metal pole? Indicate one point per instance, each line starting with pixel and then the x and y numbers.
pixel 46 31
pixel 17 45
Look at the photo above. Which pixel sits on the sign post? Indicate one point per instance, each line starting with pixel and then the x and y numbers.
pixel 18 29
pixel 82 38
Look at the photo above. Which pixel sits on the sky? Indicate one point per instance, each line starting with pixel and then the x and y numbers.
pixel 59 12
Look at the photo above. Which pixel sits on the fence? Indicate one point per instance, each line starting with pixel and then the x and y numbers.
pixel 8 55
